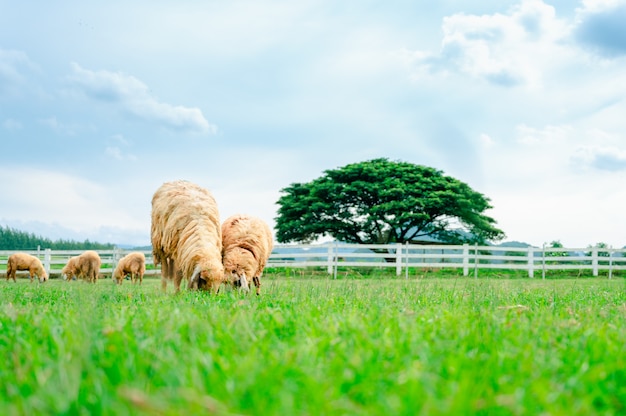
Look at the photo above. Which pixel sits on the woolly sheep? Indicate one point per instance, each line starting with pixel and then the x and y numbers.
pixel 85 266
pixel 134 264
pixel 186 236
pixel 23 261
pixel 248 243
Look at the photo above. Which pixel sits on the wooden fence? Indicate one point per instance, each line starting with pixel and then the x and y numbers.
pixel 401 257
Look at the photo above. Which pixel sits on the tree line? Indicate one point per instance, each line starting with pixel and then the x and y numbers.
pixel 12 239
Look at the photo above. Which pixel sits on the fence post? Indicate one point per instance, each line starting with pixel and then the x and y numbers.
pixel 336 261
pixel 47 260
pixel 476 261
pixel 594 261
pixel 406 255
pixel 610 263
pixel 465 259
pixel 531 262
pixel 543 261
pixel 330 258
pixel 398 259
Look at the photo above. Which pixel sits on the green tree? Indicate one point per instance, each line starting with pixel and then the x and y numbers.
pixel 381 201
pixel 559 253
pixel 601 253
pixel 12 239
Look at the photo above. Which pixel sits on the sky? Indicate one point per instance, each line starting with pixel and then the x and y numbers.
pixel 102 102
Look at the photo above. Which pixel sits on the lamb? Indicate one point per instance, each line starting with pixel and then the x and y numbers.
pixel 248 243
pixel 186 236
pixel 23 261
pixel 86 266
pixel 134 264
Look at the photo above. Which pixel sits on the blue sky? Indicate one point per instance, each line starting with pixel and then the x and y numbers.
pixel 102 102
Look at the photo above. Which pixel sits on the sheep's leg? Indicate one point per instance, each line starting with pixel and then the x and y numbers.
pixel 164 271
pixel 257 283
pixel 175 275
pixel 178 277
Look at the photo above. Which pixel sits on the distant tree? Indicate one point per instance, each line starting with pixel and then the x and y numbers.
pixel 555 253
pixel 600 246
pixel 601 253
pixel 12 239
pixel 381 201
pixel 559 253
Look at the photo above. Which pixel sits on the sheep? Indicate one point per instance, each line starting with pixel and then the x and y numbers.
pixel 248 243
pixel 134 264
pixel 186 236
pixel 23 261
pixel 85 265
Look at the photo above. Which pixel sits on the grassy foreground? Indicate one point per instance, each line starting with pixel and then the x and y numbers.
pixel 315 347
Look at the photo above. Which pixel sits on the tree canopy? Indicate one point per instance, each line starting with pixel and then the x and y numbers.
pixel 381 201
pixel 12 239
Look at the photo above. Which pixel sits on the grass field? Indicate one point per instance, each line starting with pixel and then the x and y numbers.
pixel 316 347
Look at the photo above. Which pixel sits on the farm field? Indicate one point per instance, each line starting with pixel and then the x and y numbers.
pixel 315 347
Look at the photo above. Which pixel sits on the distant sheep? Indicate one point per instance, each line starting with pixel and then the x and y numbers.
pixel 186 236
pixel 133 264
pixel 23 261
pixel 247 245
pixel 85 266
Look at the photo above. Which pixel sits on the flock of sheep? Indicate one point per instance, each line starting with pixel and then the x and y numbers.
pixel 188 242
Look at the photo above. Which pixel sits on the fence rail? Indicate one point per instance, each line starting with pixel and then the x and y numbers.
pixel 401 257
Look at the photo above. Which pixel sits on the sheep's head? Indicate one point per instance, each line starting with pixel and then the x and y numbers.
pixel 238 277
pixel 43 277
pixel 207 278
pixel 69 269
pixel 239 268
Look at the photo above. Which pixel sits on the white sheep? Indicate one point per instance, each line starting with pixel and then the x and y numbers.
pixel 85 266
pixel 186 236
pixel 23 261
pixel 133 264
pixel 247 244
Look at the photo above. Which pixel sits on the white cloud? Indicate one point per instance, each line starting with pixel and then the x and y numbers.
pixel 135 98
pixel 118 149
pixel 609 159
pixel 11 124
pixel 600 27
pixel 63 128
pixel 117 154
pixel 11 65
pixel 549 134
pixel 56 198
pixel 15 71
pixel 501 49
pixel 487 141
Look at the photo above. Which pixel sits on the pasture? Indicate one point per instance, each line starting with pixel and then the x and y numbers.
pixel 315 346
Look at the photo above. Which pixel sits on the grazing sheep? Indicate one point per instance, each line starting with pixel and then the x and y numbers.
pixel 85 266
pixel 186 236
pixel 248 243
pixel 133 264
pixel 23 261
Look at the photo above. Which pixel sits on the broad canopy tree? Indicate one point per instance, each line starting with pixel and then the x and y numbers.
pixel 381 201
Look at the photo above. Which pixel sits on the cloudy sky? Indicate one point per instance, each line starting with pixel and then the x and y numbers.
pixel 102 102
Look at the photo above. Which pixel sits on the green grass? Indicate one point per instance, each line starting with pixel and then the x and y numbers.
pixel 316 346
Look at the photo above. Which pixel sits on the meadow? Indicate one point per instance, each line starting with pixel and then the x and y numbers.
pixel 316 346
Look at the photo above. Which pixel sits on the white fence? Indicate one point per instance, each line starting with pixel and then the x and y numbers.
pixel 401 257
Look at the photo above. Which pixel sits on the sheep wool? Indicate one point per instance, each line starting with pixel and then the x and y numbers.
pixel 24 261
pixel 248 243
pixel 133 264
pixel 186 236
pixel 85 266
